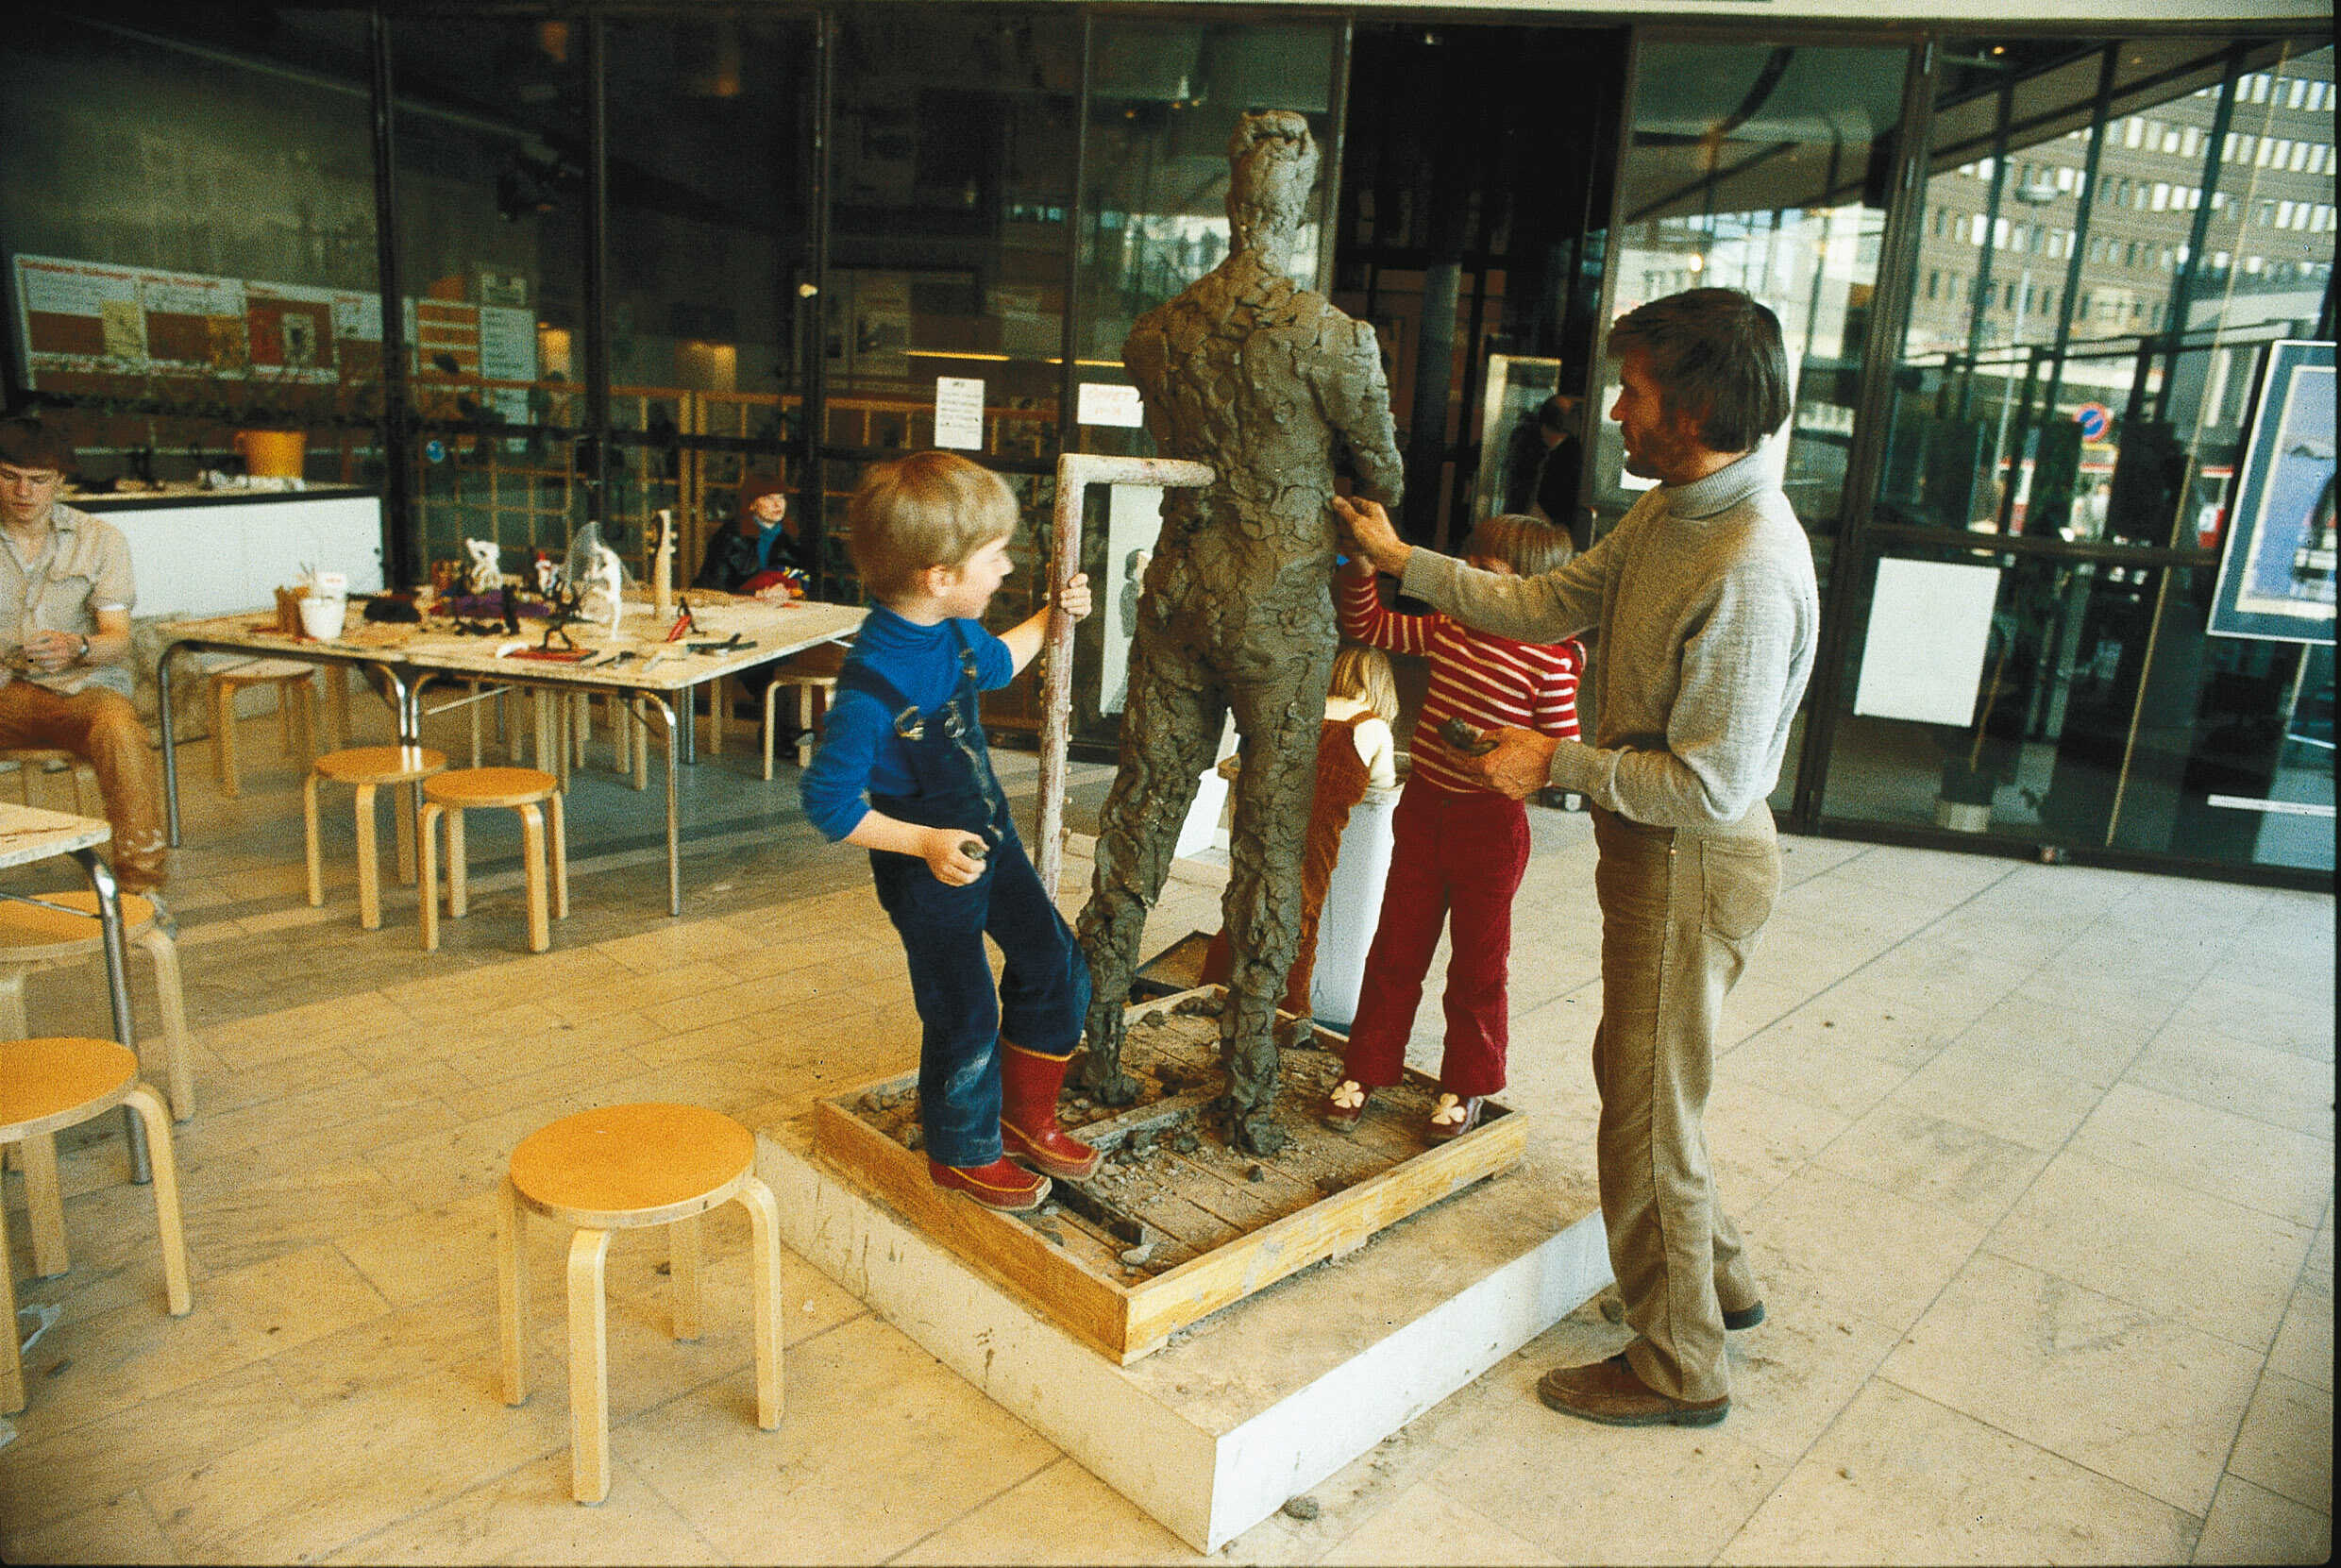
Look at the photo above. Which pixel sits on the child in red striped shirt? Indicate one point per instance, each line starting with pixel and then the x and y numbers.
pixel 1459 847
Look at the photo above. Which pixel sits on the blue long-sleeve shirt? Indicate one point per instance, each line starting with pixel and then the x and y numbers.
pixel 860 754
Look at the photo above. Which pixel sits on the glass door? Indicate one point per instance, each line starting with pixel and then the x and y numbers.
pixel 2112 237
pixel 1761 167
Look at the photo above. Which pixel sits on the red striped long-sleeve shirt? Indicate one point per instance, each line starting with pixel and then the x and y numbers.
pixel 1485 680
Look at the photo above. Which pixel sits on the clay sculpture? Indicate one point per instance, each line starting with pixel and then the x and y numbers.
pixel 1278 391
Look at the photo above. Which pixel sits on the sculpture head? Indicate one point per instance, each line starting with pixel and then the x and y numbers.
pixel 1272 166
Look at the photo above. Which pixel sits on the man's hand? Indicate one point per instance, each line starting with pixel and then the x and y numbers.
pixel 1074 600
pixel 1518 766
pixel 945 851
pixel 50 652
pixel 1371 534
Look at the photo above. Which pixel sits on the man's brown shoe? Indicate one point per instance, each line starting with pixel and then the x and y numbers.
pixel 1614 1394
pixel 1746 1317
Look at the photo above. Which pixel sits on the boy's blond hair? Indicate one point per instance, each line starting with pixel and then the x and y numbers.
pixel 1530 548
pixel 1363 675
pixel 929 508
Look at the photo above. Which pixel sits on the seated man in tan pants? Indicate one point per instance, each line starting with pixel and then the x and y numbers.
pixel 65 597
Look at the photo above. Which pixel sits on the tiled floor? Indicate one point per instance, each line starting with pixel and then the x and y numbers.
pixel 2037 1166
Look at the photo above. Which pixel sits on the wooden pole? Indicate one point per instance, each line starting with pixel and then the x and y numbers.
pixel 1075 473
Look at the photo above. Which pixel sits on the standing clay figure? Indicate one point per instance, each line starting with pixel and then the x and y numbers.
pixel 1275 388
pixel 484 575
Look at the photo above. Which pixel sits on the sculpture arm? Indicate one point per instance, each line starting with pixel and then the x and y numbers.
pixel 1355 398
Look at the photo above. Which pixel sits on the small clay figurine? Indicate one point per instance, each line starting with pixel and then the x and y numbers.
pixel 486 575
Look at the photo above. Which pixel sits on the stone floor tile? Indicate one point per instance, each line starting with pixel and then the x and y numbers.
pixel 2060 1034
pixel 1816 1069
pixel 529 1515
pixel 120 1529
pixel 881 1447
pixel 1062 1515
pixel 1757 1140
pixel 62 1466
pixel 1902 1479
pixel 1592 1493
pixel 2235 1158
pixel 1856 1247
pixel 2286 1444
pixel 2000 1087
pixel 2223 1268
pixel 384 1454
pixel 1929 1160
pixel 2303 1347
pixel 2143 1400
pixel 2248 1525
pixel 2227 1073
pixel 1426 1524
pixel 424 1253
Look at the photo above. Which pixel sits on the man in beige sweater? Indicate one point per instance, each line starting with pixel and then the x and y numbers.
pixel 1708 615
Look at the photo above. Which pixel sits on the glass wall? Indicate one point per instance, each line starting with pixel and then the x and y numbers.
pixel 1762 168
pixel 491 193
pixel 712 262
pixel 2112 236
pixel 1163 97
pixel 190 244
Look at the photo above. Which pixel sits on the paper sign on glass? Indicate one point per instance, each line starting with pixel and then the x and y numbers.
pixel 1103 403
pixel 959 412
pixel 1930 622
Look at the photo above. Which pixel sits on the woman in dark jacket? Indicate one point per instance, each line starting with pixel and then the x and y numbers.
pixel 757 555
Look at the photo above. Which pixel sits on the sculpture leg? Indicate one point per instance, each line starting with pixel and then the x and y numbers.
pixel 1169 732
pixel 1279 717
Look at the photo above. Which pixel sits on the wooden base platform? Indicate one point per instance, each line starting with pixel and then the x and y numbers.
pixel 1177 1224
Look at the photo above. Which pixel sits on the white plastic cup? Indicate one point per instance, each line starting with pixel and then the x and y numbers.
pixel 322 617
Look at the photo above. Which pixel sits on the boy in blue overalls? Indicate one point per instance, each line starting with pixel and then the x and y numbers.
pixel 904 771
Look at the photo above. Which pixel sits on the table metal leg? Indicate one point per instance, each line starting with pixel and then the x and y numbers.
pixel 674 808
pixel 170 741
pixel 117 991
pixel 690 734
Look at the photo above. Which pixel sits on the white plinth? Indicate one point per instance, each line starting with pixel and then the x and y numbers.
pixel 1259 1402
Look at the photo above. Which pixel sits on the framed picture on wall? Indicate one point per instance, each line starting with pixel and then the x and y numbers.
pixel 2276 580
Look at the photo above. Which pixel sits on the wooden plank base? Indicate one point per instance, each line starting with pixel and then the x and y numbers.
pixel 1177 1224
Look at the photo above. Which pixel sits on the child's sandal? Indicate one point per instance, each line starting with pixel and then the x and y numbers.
pixel 1453 1115
pixel 1345 1106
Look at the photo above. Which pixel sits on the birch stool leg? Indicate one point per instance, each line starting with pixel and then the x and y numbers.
pixel 589 1368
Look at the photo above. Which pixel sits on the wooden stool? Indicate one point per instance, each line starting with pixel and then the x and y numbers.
pixel 32 759
pixel 814 669
pixel 45 1086
pixel 619 1168
pixel 522 789
pixel 33 938
pixel 369 768
pixel 297 712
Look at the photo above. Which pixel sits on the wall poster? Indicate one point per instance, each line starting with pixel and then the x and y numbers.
pixel 2276 578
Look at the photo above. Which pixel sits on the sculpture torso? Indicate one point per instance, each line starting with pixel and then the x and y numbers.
pixel 1275 389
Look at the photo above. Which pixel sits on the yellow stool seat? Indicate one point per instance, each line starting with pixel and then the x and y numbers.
pixel 619 1168
pixel 64 927
pixel 45 1086
pixel 368 767
pixel 523 790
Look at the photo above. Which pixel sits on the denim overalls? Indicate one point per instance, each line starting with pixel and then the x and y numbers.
pixel 1044 990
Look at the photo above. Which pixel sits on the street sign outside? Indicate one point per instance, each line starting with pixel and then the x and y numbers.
pixel 2095 419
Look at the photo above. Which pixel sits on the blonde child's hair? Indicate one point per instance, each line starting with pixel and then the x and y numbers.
pixel 1363 675
pixel 1530 548
pixel 929 508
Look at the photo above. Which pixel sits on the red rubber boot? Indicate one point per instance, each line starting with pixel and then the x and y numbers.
pixel 1002 1184
pixel 1029 1082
